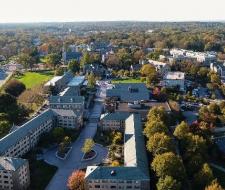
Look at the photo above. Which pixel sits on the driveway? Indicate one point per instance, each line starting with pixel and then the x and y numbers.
pixel 73 161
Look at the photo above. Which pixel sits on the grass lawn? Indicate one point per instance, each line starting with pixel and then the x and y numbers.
pixel 41 174
pixel 128 80
pixel 31 79
pixel 220 176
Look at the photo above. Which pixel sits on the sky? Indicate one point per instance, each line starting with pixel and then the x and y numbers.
pixel 111 10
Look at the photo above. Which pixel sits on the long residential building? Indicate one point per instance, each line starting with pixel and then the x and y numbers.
pixel 24 138
pixel 14 173
pixel 75 103
pixel 134 175
pixel 114 121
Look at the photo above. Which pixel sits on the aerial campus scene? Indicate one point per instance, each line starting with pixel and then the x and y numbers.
pixel 112 95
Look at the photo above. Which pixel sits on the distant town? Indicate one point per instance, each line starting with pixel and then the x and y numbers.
pixel 121 105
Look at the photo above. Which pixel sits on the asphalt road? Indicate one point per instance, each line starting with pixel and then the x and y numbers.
pixel 74 159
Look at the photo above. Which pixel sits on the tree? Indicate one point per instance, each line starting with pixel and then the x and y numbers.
pixel 58 133
pixel 88 145
pixel 74 66
pixel 76 181
pixel 4 127
pixel 168 164
pixel 115 163
pixel 91 80
pixel 26 60
pixel 168 183
pixel 160 143
pixel 117 137
pixel 157 113
pixel 204 177
pixel 53 59
pixel 59 71
pixel 155 126
pixel 14 87
pixel 138 55
pixel 196 144
pixel 181 130
pixel 67 141
pixel 214 186
pixel 215 78
pixel 86 59
pixel 113 62
pixel 150 73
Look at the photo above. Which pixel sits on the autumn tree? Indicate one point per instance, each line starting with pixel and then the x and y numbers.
pixel 168 183
pixel 160 143
pixel 86 59
pixel 150 73
pixel 76 181
pixel 14 87
pixel 88 145
pixel 204 177
pixel 214 186
pixel 155 126
pixel 59 71
pixel 74 66
pixel 53 59
pixel 181 130
pixel 168 164
pixel 91 80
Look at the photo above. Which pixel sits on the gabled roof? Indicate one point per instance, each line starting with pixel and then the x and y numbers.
pixel 62 112
pixel 129 92
pixel 66 99
pixel 116 116
pixel 12 164
pixel 76 81
pixel 27 128
pixel 135 158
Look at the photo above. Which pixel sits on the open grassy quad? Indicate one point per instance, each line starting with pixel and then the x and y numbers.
pixel 41 174
pixel 127 80
pixel 31 79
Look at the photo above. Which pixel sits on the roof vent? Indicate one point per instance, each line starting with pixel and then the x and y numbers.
pixel 113 173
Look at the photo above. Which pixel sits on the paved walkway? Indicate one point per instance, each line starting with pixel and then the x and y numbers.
pixel 73 161
pixel 218 167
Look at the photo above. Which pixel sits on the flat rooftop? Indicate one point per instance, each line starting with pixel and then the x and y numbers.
pixel 76 81
pixel 174 76
pixel 143 111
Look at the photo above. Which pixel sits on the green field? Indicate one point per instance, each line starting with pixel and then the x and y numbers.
pixel 128 80
pixel 31 79
pixel 41 174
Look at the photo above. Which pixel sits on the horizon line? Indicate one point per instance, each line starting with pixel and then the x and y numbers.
pixel 98 21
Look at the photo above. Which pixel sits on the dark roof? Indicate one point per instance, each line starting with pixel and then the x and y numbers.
pixel 120 173
pixel 66 99
pixel 27 128
pixel 137 164
pixel 73 55
pixel 12 164
pixel 129 92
